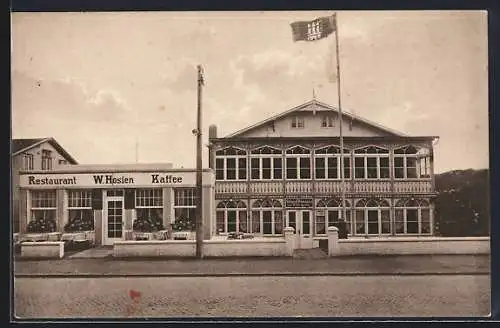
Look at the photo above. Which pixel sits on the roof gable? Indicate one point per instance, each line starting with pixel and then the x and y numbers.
pixel 314 107
pixel 22 145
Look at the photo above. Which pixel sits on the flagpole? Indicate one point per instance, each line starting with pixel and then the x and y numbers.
pixel 341 136
pixel 199 190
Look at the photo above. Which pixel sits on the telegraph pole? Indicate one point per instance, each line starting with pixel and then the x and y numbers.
pixel 199 202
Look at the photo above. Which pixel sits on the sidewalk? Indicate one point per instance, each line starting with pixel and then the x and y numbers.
pixel 367 265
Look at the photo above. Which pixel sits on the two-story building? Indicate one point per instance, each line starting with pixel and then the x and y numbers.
pixel 40 154
pixel 285 171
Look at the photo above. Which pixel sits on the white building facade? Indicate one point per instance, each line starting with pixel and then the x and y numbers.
pixel 285 171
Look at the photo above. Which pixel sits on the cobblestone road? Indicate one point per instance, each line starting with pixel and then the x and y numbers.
pixel 253 296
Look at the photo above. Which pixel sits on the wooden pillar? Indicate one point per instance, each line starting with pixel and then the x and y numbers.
pixel 60 193
pixel 393 194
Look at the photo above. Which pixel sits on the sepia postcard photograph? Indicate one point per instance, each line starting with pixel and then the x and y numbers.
pixel 250 164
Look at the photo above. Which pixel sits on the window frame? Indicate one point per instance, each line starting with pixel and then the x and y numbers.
pixel 189 207
pixel 46 160
pixel 260 157
pixel 28 162
pixel 326 206
pixel 241 154
pixel 238 207
pixel 275 208
pixel 383 207
pixel 336 155
pixel 298 122
pixel 377 156
pixel 419 205
pixel 289 155
pixel 44 209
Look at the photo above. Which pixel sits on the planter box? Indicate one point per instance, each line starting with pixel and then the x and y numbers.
pixel 44 249
pixel 184 235
pixel 79 236
pixel 33 237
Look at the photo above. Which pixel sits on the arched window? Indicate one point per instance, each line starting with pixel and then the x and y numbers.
pixel 371 162
pixel 231 164
pixel 372 217
pixel 267 217
pixel 231 216
pixel 411 162
pixel 412 216
pixel 329 213
pixel 298 163
pixel 327 163
pixel 266 163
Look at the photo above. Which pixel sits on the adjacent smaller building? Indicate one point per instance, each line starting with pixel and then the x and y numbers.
pixel 35 154
pixel 112 197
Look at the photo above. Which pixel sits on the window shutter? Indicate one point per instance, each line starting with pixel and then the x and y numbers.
pixel 96 199
pixel 129 199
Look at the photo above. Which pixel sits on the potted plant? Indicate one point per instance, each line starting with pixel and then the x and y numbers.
pixel 183 228
pixel 145 225
pixel 79 230
pixel 40 227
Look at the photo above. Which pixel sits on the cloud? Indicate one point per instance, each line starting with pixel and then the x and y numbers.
pixel 65 99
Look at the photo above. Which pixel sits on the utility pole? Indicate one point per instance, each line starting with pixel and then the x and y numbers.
pixel 199 188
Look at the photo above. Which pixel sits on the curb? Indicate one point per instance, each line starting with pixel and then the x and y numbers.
pixel 236 274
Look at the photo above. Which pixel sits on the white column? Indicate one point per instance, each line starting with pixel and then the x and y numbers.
pixel 290 240
pixel 333 240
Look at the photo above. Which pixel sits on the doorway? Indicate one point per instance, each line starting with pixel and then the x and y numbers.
pixel 113 219
pixel 301 221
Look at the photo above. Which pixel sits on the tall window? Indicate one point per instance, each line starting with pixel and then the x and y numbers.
pixel 231 216
pixel 266 163
pixel 28 162
pixel 80 206
pixel 372 217
pixel 297 122
pixel 43 204
pixel 230 164
pixel 327 163
pixel 329 213
pixel 412 216
pixel 149 204
pixel 412 163
pixel 267 217
pixel 185 204
pixel 371 163
pixel 327 121
pixel 298 163
pixel 46 159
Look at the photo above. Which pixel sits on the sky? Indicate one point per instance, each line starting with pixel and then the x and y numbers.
pixel 121 87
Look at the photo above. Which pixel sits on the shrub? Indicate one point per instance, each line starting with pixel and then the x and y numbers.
pixel 41 225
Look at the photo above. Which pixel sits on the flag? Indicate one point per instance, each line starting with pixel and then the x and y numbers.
pixel 313 30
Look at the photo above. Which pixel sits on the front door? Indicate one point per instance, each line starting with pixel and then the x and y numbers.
pixel 113 220
pixel 300 220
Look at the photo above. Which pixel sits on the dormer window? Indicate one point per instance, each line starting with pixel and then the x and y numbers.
pixel 327 121
pixel 297 122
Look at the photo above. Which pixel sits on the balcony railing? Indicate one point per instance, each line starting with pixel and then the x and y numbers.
pixel 321 187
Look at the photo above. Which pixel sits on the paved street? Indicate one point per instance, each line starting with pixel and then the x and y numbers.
pixel 427 264
pixel 450 295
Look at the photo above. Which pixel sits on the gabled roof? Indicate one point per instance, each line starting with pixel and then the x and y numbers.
pixel 320 106
pixel 19 146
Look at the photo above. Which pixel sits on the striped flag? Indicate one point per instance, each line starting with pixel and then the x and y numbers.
pixel 313 30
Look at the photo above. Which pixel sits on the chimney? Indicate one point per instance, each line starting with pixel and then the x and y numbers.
pixel 212 134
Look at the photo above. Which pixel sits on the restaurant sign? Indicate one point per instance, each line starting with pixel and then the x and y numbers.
pixel 299 202
pixel 96 180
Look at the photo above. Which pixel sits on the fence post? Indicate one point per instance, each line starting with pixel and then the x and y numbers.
pixel 333 240
pixel 290 240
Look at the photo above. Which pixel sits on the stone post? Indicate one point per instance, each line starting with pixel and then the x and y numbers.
pixel 333 241
pixel 290 240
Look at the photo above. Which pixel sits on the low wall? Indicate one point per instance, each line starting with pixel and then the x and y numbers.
pixel 211 248
pixel 275 247
pixel 42 249
pixel 412 246
pixel 154 248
